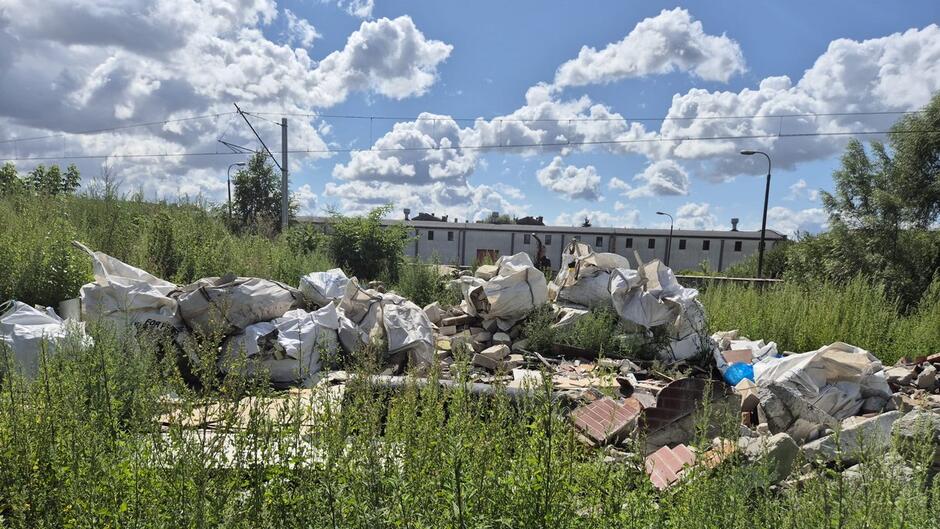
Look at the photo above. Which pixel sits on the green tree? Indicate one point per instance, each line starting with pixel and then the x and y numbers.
pixel 881 210
pixel 256 199
pixel 363 247
pixel 51 181
pixel 10 181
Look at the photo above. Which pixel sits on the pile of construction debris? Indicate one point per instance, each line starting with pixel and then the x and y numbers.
pixel 820 405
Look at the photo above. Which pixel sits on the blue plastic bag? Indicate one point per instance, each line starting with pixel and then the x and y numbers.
pixel 737 372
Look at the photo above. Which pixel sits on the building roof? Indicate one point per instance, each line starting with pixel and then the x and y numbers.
pixel 521 228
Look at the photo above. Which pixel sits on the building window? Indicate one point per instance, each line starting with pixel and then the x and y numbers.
pixel 737 246
pixel 548 239
pixel 628 243
pixel 430 235
pixel 682 244
pixel 651 244
pixel 526 239
pixel 599 241
pixel 450 236
pixel 706 244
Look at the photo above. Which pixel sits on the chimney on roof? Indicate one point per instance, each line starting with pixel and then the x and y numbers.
pixel 407 212
pixel 444 218
pixel 734 224
pixel 540 219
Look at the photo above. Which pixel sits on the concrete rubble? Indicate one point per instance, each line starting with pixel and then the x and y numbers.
pixel 825 408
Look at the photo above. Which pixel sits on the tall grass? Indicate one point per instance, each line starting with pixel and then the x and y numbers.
pixel 178 242
pixel 804 317
pixel 81 447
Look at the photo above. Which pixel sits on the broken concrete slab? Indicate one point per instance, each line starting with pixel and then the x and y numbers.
pixel 502 338
pixel 784 410
pixel 858 434
pixel 434 312
pixel 606 420
pixel 927 378
pixel 899 375
pixel 496 352
pixel 779 451
pixel 485 362
pixel 447 330
pixel 916 427
pixel 462 319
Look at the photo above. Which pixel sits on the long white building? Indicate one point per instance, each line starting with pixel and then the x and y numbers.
pixel 465 243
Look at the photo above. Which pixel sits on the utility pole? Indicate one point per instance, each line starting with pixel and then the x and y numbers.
pixel 284 186
pixel 285 200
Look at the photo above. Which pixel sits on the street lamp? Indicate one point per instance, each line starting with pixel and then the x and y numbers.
pixel 763 224
pixel 229 181
pixel 668 244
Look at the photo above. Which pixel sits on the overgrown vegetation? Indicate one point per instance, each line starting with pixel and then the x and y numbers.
pixel 600 331
pixel 803 317
pixel 82 446
pixel 361 246
pixel 179 242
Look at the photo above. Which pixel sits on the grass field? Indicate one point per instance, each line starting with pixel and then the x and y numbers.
pixel 80 446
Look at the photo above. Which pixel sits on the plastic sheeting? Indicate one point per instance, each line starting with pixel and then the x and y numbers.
pixel 230 304
pixel 287 348
pixel 836 378
pixel 392 318
pixel 126 294
pixel 321 288
pixel 584 276
pixel 652 297
pixel 515 288
pixel 26 330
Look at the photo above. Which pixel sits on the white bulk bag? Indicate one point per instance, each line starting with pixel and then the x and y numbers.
pixel 584 276
pixel 836 378
pixel 26 330
pixel 230 304
pixel 320 288
pixel 288 348
pixel 516 289
pixel 393 318
pixel 126 294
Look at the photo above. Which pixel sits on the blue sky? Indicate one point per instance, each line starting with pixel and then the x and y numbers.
pixel 477 60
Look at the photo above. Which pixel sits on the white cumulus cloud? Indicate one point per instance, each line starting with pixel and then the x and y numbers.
pixel 623 218
pixel 670 41
pixel 570 181
pixel 664 177
pixel 300 31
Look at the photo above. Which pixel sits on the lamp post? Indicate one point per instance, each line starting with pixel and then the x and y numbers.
pixel 668 244
pixel 763 224
pixel 229 181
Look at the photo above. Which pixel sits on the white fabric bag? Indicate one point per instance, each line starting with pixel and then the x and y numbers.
pixel 26 330
pixel 288 348
pixel 320 288
pixel 126 294
pixel 230 304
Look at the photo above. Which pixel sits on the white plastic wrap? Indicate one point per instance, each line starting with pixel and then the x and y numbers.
pixel 584 276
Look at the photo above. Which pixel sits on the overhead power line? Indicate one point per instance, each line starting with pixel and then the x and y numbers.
pixel 112 129
pixel 490 147
pixel 587 119
pixel 449 118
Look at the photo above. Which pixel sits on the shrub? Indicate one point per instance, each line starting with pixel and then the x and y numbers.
pixel 361 246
